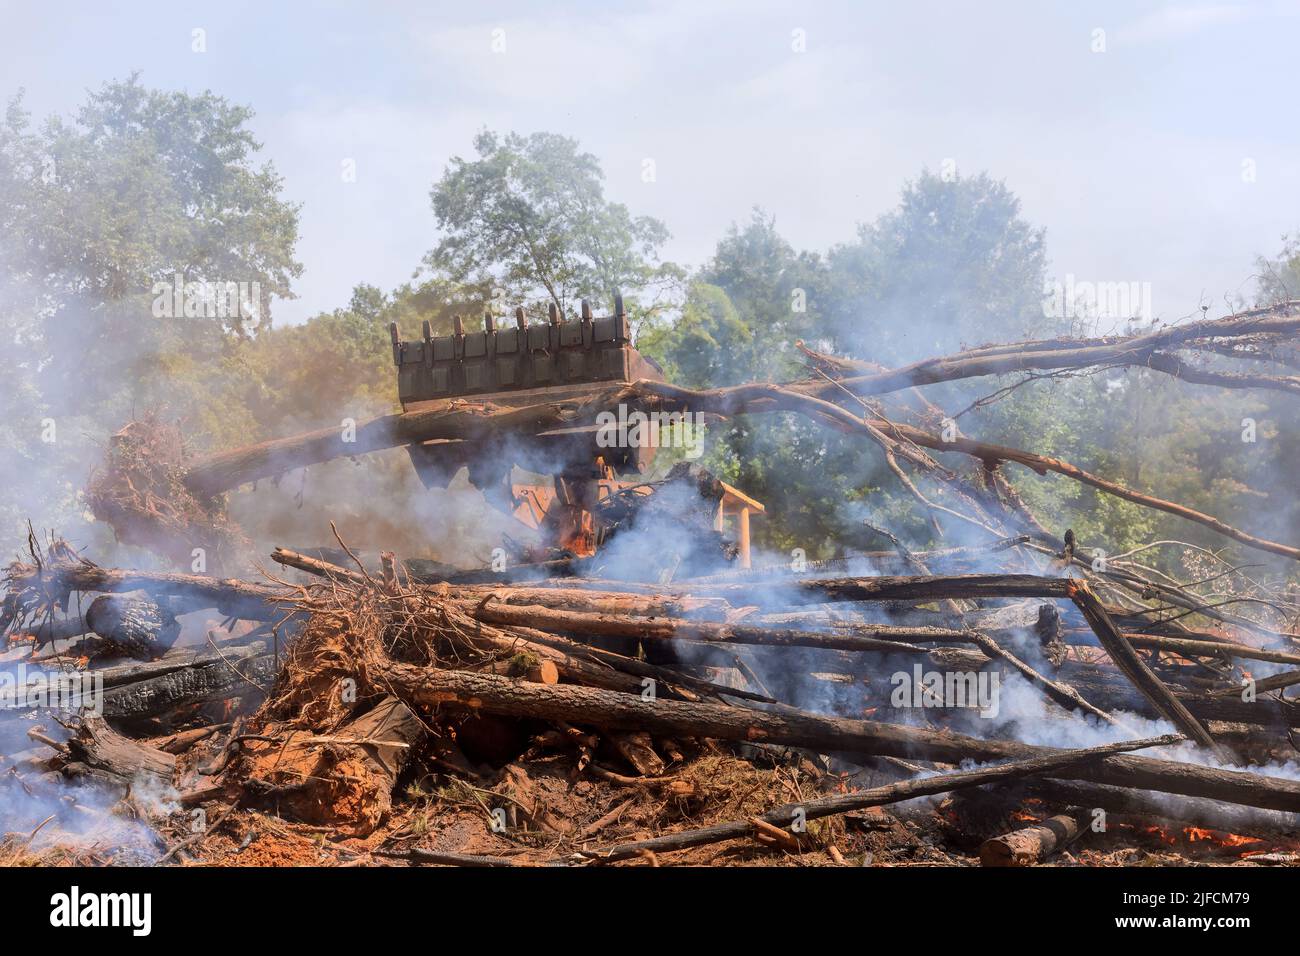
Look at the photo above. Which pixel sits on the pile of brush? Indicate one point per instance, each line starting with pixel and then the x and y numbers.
pixel 354 715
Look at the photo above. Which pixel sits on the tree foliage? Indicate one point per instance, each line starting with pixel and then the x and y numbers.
pixel 139 187
pixel 954 264
pixel 529 218
pixel 1279 277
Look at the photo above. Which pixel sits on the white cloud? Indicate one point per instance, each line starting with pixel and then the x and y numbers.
pixel 1176 20
pixel 596 56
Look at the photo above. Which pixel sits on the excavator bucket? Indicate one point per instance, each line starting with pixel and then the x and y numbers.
pixel 516 367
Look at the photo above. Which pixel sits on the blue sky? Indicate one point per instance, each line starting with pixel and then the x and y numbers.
pixel 1132 158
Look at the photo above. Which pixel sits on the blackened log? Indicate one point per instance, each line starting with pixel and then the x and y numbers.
pixel 216 680
pixel 175 660
pixel 137 625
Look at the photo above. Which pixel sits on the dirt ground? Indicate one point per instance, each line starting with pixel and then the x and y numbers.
pixel 551 813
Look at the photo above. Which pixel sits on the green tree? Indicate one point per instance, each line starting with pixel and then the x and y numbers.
pixel 102 212
pixel 529 217
pixel 97 214
pixel 953 265
pixel 954 261
pixel 779 291
pixel 752 300
pixel 708 345
pixel 1279 277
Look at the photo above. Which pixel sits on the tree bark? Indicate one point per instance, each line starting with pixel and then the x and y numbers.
pixel 1141 350
pixel 217 680
pixel 667 629
pixel 231 596
pixel 1218 649
pixel 138 625
pixel 1032 844
pixel 431 687
pixel 97 751
pixel 1142 677
pixel 221 472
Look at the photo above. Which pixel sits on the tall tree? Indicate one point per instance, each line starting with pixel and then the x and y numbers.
pixel 709 345
pixel 954 264
pixel 103 217
pixel 529 217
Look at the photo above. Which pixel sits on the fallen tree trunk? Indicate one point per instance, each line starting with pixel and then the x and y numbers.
pixel 1032 844
pixel 431 687
pixel 1154 807
pixel 554 597
pixel 231 596
pixel 1136 670
pixel 223 471
pixel 1218 649
pixel 175 660
pixel 324 569
pixel 1264 685
pixel 1140 350
pixel 669 605
pixel 97 752
pixel 217 680
pixel 667 629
